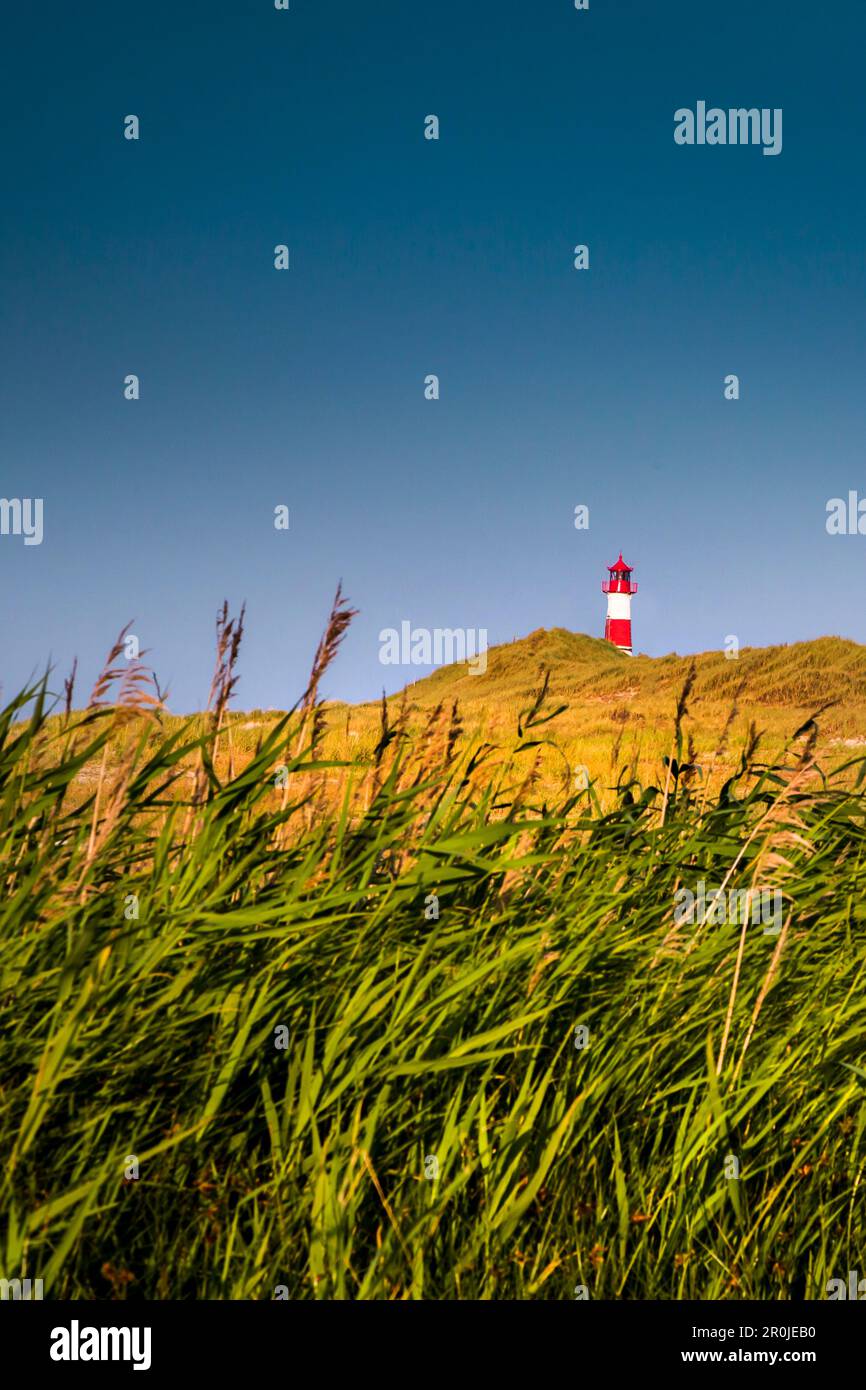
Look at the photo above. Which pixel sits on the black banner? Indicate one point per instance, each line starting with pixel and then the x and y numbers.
pixel 156 1339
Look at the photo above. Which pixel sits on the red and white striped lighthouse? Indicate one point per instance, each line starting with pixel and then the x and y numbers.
pixel 619 589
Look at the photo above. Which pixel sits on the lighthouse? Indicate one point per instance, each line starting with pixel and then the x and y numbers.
pixel 619 589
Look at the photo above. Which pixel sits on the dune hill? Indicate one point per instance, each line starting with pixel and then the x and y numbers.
pixel 587 670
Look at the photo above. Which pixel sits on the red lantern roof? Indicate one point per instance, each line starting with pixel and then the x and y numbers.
pixel 620 565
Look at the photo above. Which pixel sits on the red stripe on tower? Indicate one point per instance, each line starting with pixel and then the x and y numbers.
pixel 619 589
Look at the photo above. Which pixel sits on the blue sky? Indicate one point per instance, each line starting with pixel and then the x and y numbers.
pixel 409 257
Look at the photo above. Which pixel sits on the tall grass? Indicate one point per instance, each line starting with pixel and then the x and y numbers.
pixel 238 987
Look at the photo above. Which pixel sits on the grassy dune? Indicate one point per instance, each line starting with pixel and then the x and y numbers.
pixel 419 1021
pixel 617 712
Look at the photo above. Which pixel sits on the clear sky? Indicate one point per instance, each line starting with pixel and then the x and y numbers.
pixel 409 257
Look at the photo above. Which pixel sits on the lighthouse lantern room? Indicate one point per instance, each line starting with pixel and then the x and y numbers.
pixel 619 589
